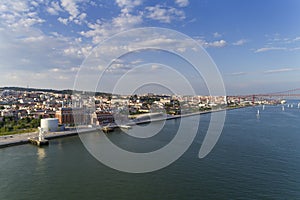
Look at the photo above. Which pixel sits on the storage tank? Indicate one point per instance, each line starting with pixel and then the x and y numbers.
pixel 49 124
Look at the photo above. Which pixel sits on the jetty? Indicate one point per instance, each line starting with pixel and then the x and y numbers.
pixel 37 142
pixel 107 129
pixel 40 140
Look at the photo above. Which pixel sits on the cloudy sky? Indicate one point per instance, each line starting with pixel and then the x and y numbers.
pixel 255 44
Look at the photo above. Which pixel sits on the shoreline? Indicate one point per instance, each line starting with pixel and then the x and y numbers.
pixel 23 138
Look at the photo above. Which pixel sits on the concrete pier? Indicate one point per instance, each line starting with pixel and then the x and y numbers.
pixel 107 129
pixel 37 142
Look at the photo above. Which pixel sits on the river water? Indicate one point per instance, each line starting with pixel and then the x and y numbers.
pixel 255 158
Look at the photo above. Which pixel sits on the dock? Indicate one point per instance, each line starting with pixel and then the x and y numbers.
pixel 107 129
pixel 40 140
pixel 37 142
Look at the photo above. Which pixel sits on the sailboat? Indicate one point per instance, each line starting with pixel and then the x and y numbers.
pixel 257 114
pixel 282 108
pixel 292 105
pixel 263 107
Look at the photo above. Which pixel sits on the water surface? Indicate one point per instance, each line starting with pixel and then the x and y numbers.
pixel 255 158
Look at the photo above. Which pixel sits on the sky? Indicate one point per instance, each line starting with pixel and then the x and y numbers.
pixel 254 44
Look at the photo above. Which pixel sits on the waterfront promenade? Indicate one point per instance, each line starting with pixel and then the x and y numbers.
pixel 18 139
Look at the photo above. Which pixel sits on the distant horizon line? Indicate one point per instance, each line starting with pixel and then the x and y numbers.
pixel 108 93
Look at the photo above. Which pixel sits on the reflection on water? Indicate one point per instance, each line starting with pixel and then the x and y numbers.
pixel 41 153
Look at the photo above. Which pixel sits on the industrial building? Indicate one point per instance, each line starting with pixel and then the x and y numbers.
pixel 72 116
pixel 49 124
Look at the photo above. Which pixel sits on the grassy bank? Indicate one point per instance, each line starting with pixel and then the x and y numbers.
pixel 29 130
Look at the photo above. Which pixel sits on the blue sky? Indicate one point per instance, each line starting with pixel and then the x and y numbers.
pixel 255 44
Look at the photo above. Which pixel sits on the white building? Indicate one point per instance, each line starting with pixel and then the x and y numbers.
pixel 49 124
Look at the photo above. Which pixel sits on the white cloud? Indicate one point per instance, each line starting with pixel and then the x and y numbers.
pixel 182 3
pixel 18 14
pixel 297 39
pixel 207 44
pixel 54 8
pixel 239 42
pixel 125 21
pixel 279 43
pixel 64 70
pixel 63 20
pixel 75 15
pixel 52 11
pixel 128 5
pixel 280 70
pixel 19 6
pixel 71 7
pixel 34 3
pixel 238 73
pixel 29 21
pixel 33 39
pixel 219 44
pixel 103 29
pixel 181 49
pixel 217 35
pixel 76 51
pixel 74 69
pixel 135 62
pixel 164 14
pixel 54 70
pixel 82 16
pixel 72 51
pixel 31 50
pixel 264 49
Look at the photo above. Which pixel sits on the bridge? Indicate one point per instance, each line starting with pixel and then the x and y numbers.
pixel 293 93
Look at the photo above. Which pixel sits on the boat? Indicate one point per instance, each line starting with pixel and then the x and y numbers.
pixel 125 127
pixel 282 108
pixel 107 129
pixel 263 107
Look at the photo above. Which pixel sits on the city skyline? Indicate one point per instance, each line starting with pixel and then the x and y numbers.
pixel 254 44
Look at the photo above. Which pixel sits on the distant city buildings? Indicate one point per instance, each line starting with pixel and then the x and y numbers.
pixel 70 116
pixel 80 108
pixel 102 118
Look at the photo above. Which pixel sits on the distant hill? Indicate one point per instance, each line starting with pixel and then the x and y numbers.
pixel 67 91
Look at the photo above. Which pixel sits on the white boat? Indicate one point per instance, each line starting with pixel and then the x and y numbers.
pixel 125 126
pixel 282 108
pixel 263 107
pixel 257 114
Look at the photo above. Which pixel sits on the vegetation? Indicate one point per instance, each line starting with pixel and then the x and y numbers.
pixel 67 91
pixel 9 125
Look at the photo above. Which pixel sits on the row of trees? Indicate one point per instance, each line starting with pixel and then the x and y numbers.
pixel 10 124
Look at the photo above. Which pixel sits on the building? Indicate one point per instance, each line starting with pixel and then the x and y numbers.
pixel 49 124
pixel 102 118
pixel 67 116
